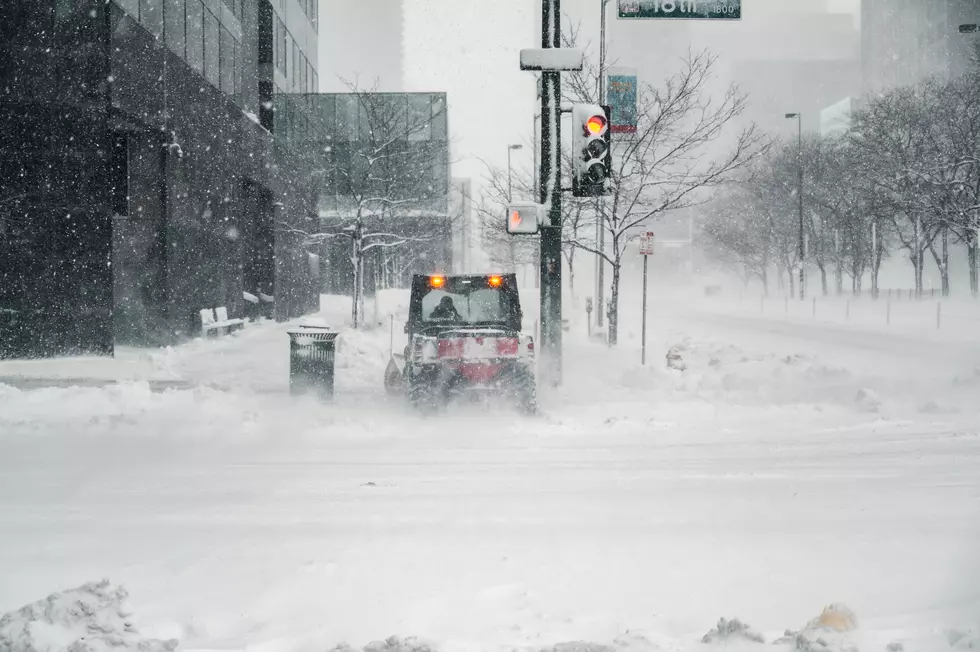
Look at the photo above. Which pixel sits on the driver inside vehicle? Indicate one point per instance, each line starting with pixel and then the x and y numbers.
pixel 445 310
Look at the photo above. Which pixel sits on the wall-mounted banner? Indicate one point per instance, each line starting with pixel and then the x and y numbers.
pixel 621 96
pixel 689 9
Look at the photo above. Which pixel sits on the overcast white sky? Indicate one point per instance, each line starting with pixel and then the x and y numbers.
pixel 470 50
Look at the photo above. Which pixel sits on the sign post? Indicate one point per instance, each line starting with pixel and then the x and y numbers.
pixel 646 250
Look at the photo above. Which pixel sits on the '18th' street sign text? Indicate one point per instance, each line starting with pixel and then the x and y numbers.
pixel 690 9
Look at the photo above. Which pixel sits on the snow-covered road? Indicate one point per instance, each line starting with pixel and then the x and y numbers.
pixel 752 485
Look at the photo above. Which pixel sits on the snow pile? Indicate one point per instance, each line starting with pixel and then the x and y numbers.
pixel 829 632
pixel 963 640
pixel 729 631
pixel 130 407
pixel 91 618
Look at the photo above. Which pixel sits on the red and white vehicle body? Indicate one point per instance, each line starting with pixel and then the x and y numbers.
pixel 465 337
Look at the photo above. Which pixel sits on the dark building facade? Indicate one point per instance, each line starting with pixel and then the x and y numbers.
pixel 405 138
pixel 145 171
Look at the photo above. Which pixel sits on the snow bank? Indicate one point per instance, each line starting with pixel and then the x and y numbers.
pixel 91 618
pixel 730 631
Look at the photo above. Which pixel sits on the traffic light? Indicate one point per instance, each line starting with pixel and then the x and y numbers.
pixel 591 150
pixel 523 218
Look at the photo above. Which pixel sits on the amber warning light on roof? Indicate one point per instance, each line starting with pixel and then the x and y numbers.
pixel 496 281
pixel 437 281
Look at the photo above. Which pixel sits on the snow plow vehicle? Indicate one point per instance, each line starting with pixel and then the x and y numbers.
pixel 464 339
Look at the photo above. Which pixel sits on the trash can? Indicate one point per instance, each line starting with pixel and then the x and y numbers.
pixel 312 350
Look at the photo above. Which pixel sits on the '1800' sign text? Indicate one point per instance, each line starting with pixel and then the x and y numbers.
pixel 690 9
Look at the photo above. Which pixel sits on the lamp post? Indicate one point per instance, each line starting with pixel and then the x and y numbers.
pixel 799 191
pixel 510 192
pixel 974 275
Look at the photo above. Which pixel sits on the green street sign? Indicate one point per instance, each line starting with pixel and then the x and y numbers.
pixel 682 9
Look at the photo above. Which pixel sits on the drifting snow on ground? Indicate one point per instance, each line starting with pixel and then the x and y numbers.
pixel 91 618
pixel 755 468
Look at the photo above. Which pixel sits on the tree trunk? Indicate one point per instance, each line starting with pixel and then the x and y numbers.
pixel 974 276
pixel 944 269
pixel 765 282
pixel 614 305
pixel 839 277
pixel 356 263
pixel 857 277
pixel 571 272
pixel 917 260
pixel 823 278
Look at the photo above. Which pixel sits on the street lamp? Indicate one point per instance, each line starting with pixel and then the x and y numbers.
pixel 510 193
pixel 799 191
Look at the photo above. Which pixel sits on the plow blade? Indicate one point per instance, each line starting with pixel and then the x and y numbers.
pixel 395 375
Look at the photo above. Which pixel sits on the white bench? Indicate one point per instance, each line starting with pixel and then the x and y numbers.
pixel 216 322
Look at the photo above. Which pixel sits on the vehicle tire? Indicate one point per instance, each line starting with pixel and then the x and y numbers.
pixel 526 392
pixel 423 394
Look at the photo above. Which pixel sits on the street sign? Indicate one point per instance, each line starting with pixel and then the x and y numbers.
pixel 621 97
pixel 682 9
pixel 646 244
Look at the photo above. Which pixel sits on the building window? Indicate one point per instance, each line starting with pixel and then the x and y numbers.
pixel 294 73
pixel 238 73
pixel 195 35
pixel 119 174
pixel 211 48
pixel 267 34
pixel 226 57
pixel 281 46
pixel 151 16
pixel 419 117
pixel 173 14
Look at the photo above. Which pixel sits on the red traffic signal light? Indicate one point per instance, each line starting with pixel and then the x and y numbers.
pixel 595 125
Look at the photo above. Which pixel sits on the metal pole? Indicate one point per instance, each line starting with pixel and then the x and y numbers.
pixel 600 232
pixel 799 122
pixel 550 176
pixel 510 192
pixel 534 141
pixel 643 336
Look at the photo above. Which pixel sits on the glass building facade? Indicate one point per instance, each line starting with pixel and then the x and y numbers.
pixel 406 136
pixel 145 169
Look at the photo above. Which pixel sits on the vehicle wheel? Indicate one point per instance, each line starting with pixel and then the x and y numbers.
pixel 424 395
pixel 526 392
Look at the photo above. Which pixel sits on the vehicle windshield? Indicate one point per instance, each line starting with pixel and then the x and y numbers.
pixel 464 305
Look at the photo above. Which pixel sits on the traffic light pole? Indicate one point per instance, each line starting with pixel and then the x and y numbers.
pixel 550 189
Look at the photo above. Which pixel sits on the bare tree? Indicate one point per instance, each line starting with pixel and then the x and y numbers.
pixel 381 188
pixel 666 165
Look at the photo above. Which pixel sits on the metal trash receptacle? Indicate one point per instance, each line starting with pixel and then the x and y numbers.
pixel 312 354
